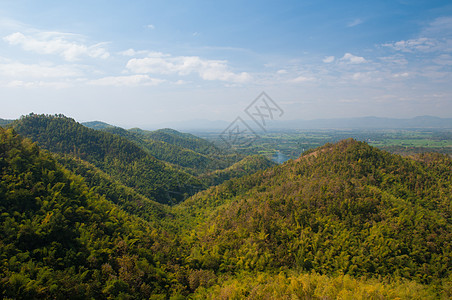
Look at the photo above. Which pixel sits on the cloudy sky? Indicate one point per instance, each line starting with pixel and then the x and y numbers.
pixel 143 62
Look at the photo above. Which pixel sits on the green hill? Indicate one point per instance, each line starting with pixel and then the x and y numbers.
pixel 97 125
pixel 61 240
pixel 176 155
pixel 213 168
pixel 184 140
pixel 120 158
pixel 341 209
pixel 248 165
pixel 342 221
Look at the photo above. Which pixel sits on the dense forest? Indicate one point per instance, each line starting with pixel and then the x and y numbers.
pixel 83 217
pixel 61 240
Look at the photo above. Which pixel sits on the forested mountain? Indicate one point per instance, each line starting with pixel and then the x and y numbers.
pixel 173 151
pixel 345 220
pixel 61 240
pixel 345 208
pixel 184 140
pixel 97 125
pixel 193 154
pixel 117 156
pixel 248 165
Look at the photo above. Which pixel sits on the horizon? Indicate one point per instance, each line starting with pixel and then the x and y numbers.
pixel 156 62
pixel 206 125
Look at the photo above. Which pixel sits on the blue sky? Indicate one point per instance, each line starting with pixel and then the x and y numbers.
pixel 138 63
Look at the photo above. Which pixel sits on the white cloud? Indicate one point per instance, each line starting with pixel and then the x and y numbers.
pixel 282 71
pixel 395 60
pixel 129 52
pixel 355 22
pixel 132 52
pixel 57 43
pixel 20 70
pixel 150 26
pixel 436 37
pixel 328 59
pixel 352 59
pixel 302 79
pixel 420 44
pixel 132 80
pixel 159 63
pixel 401 75
pixel 444 60
pixel 440 27
pixel 36 84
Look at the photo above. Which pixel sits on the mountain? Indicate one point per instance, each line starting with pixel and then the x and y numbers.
pixel 165 166
pixel 248 165
pixel 344 208
pixel 61 240
pixel 176 148
pixel 184 140
pixel 345 220
pixel 366 123
pixel 97 125
pixel 120 158
pixel 192 125
pixel 4 122
pixel 370 122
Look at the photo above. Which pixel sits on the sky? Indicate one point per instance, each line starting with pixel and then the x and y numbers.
pixel 141 62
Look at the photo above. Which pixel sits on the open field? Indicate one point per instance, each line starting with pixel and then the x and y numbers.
pixel 290 144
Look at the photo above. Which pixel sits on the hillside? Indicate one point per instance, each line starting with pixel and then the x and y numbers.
pixel 120 158
pixel 211 164
pixel 248 165
pixel 184 140
pixel 174 151
pixel 344 220
pixel 61 240
pixel 345 208
pixel 97 125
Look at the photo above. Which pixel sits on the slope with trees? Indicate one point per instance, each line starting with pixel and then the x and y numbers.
pixel 61 240
pixel 115 155
pixel 345 208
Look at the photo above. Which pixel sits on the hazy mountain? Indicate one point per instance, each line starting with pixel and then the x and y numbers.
pixel 366 123
pixel 335 123
pixel 97 125
pixel 192 125
pixel 4 122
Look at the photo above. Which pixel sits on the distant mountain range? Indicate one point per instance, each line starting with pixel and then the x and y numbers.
pixel 367 123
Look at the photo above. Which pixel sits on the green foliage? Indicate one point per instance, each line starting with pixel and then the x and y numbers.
pixel 345 208
pixel 97 125
pixel 59 239
pixel 343 221
pixel 312 286
pixel 184 140
pixel 125 197
pixel 122 159
pixel 248 165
